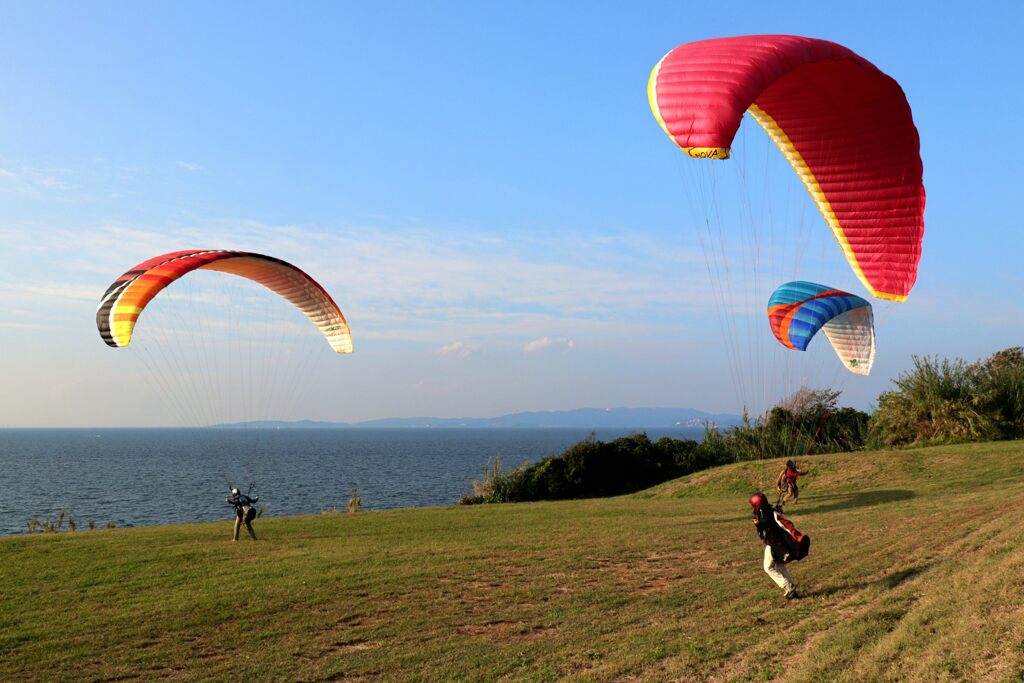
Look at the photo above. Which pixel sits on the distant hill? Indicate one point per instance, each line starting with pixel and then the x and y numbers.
pixel 581 418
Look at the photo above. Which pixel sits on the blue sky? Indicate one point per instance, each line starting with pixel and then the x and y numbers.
pixel 480 185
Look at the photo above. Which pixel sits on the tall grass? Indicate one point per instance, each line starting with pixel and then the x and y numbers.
pixel 355 502
pixel 64 521
pixel 948 401
pixel 807 423
pixel 1000 381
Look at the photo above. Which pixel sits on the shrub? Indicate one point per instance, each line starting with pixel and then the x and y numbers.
pixel 1000 389
pixel 45 525
pixel 355 503
pixel 592 468
pixel 807 422
pixel 936 401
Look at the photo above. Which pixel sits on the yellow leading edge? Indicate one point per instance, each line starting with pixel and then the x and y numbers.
pixel 795 160
pixel 785 145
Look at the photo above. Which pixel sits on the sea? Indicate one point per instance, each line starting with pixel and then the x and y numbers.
pixel 134 477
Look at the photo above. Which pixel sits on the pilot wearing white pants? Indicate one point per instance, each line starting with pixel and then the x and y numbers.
pixel 782 543
pixel 778 572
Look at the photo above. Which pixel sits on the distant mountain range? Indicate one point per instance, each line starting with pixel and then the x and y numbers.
pixel 582 418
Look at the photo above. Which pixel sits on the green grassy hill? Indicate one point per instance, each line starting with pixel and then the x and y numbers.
pixel 916 573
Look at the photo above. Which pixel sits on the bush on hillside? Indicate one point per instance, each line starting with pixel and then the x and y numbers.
pixel 937 401
pixel 1000 380
pixel 592 468
pixel 806 423
pixel 949 401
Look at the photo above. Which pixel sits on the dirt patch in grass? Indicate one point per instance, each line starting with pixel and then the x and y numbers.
pixel 355 645
pixel 501 631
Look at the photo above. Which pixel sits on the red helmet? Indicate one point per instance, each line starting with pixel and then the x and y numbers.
pixel 756 499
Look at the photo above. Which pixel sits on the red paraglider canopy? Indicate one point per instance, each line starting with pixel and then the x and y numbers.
pixel 844 125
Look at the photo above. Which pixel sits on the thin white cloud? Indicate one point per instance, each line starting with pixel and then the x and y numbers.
pixel 188 166
pixel 50 182
pixel 537 344
pixel 458 349
pixel 26 326
pixel 50 294
pixel 562 343
pixel 32 180
pixel 454 347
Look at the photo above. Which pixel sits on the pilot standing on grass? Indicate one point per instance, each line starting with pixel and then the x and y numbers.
pixel 244 512
pixel 786 483
pixel 782 543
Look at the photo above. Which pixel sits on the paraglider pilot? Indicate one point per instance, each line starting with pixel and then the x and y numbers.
pixel 782 543
pixel 786 483
pixel 244 512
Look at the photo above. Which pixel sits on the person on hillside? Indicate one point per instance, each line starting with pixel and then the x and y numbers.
pixel 785 484
pixel 244 512
pixel 782 543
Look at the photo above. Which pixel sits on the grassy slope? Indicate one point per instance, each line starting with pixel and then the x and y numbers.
pixel 916 573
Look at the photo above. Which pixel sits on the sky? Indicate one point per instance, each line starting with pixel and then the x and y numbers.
pixel 480 186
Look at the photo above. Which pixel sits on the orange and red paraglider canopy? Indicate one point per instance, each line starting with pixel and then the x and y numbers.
pixel 128 295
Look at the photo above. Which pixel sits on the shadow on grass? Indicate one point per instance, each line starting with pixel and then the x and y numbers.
pixel 896 578
pixel 889 581
pixel 839 501
pixel 846 501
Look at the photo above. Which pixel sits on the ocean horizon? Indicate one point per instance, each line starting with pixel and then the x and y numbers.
pixel 157 475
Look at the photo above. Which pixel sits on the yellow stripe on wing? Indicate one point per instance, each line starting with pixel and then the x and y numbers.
pixel 795 159
pixel 122 331
pixel 652 97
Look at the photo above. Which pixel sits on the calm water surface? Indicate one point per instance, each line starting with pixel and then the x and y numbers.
pixel 133 477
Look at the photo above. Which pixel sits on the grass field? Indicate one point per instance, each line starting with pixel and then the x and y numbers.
pixel 916 573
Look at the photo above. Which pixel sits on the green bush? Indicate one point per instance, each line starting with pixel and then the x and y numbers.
pixel 943 401
pixel 1000 380
pixel 807 422
pixel 592 468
